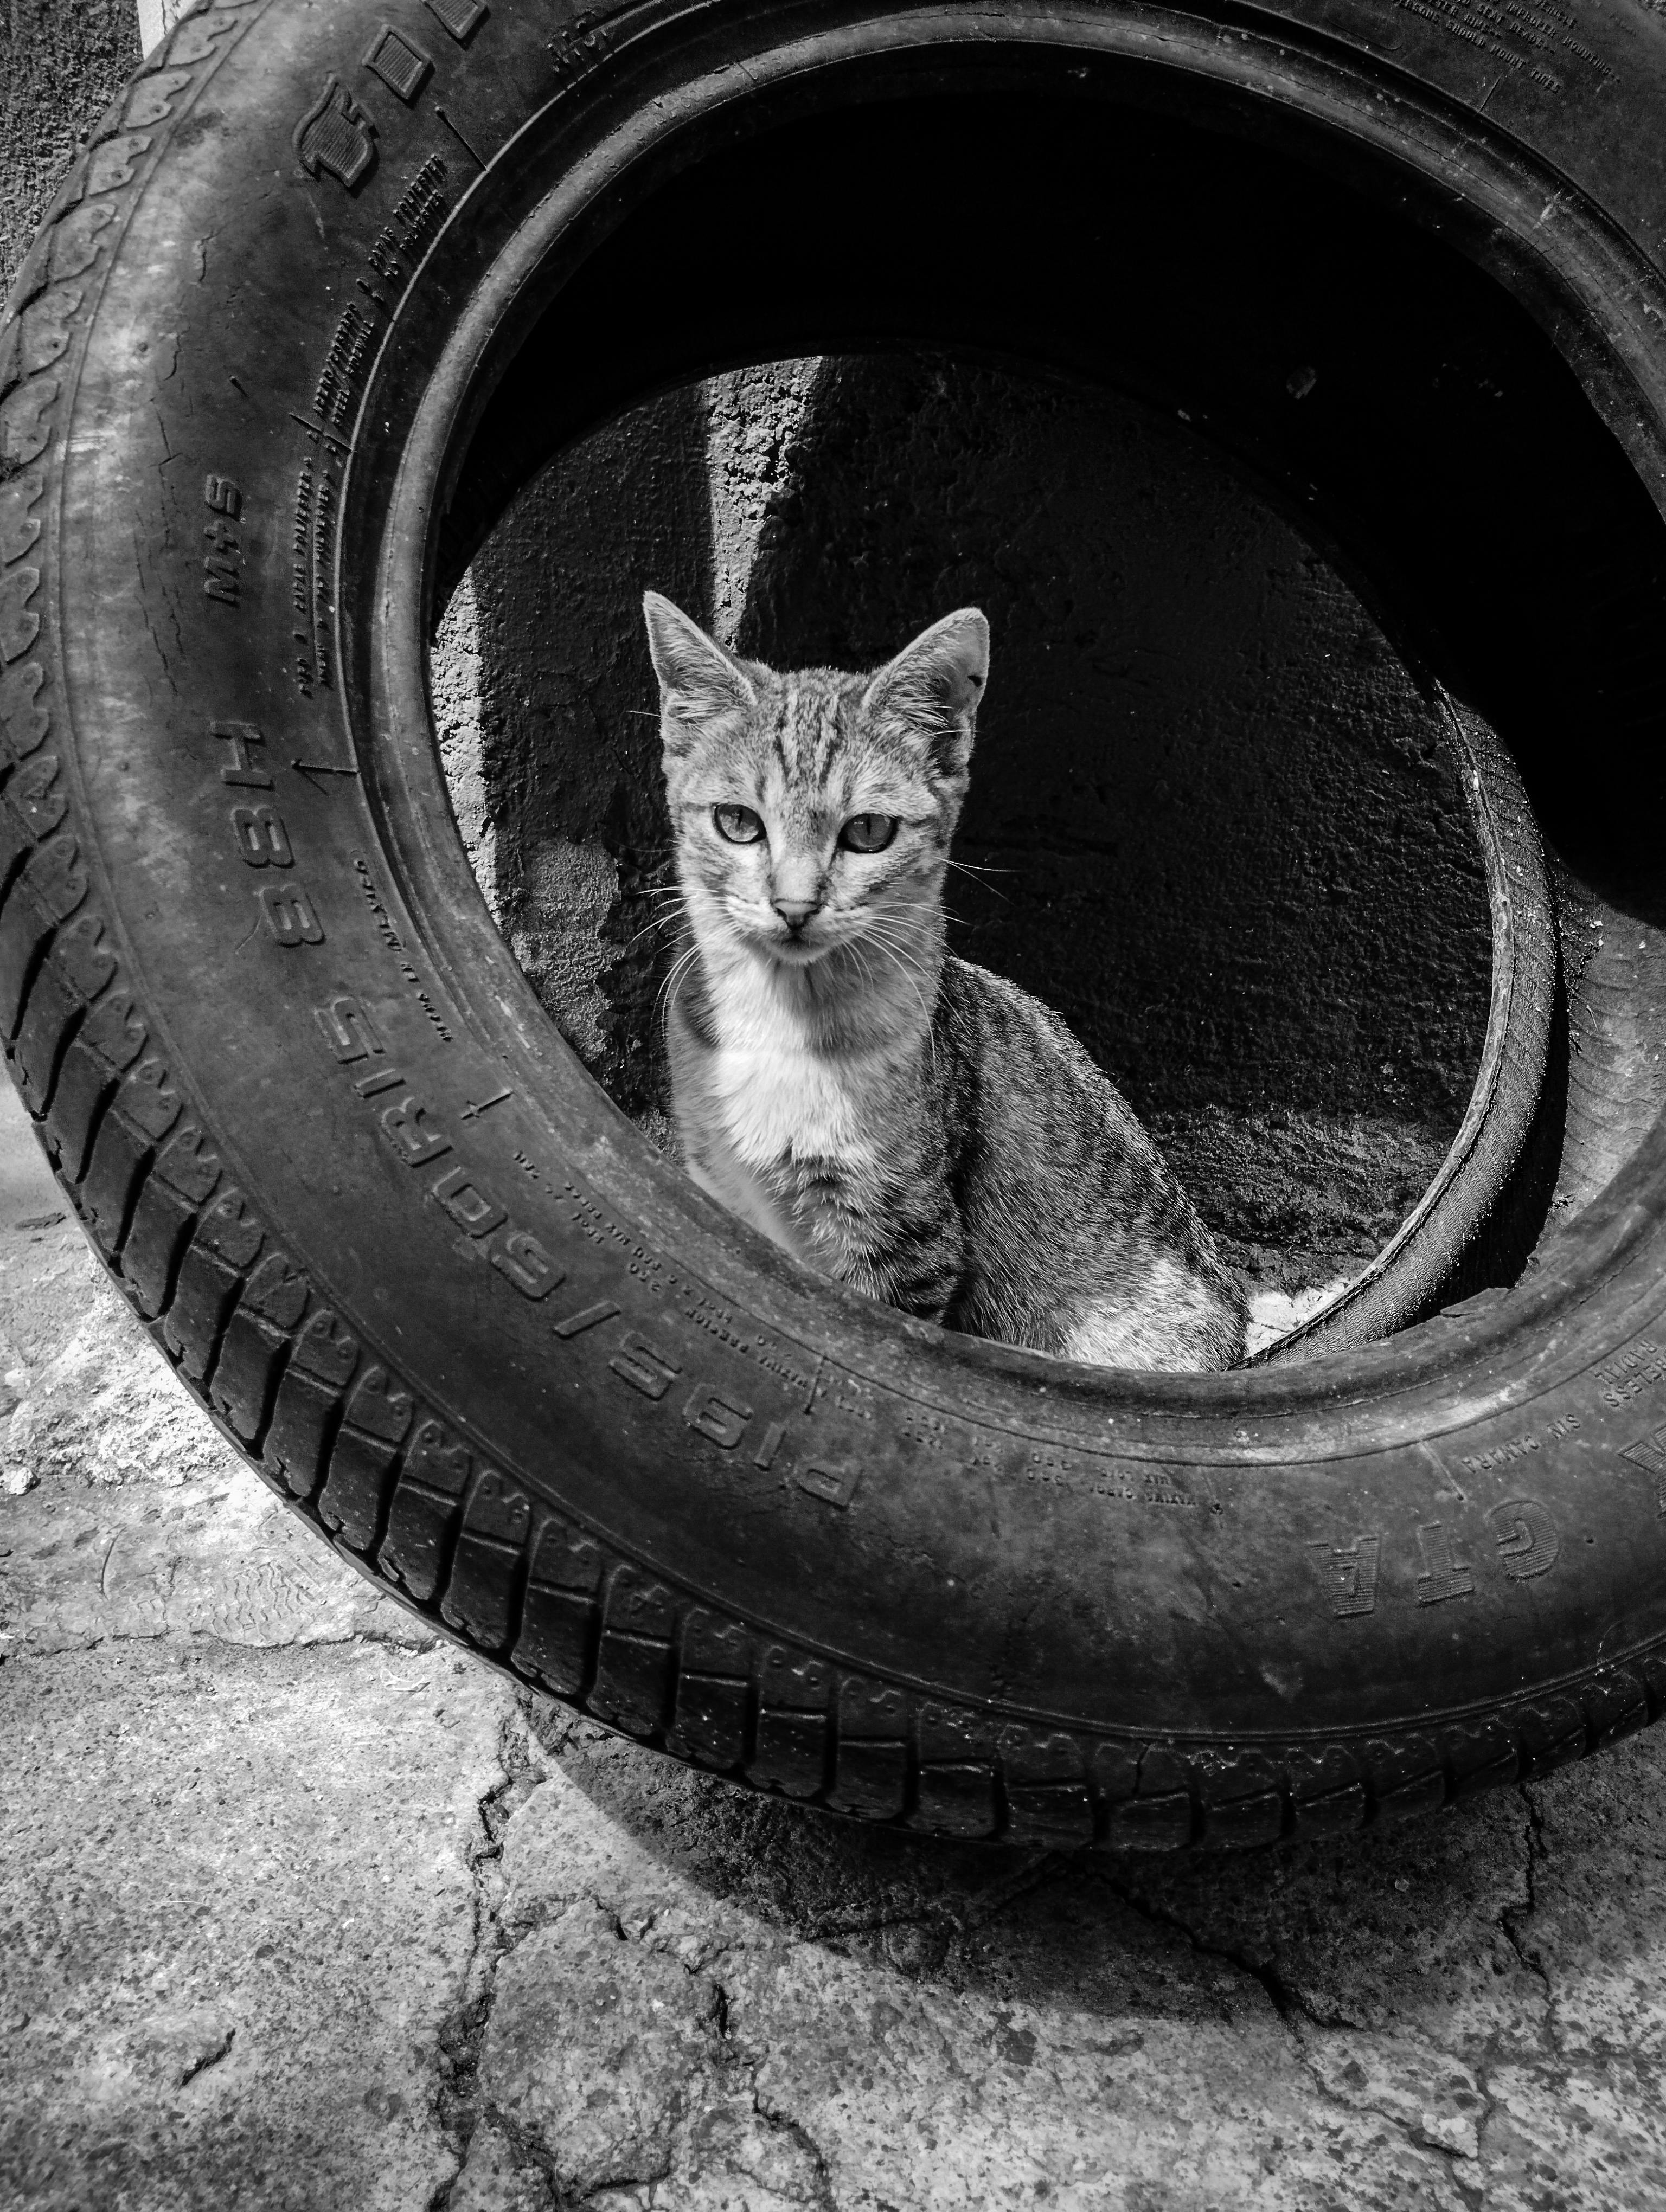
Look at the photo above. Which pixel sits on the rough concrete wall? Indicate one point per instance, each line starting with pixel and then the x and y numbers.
pixel 61 62
pixel 546 749
pixel 1218 826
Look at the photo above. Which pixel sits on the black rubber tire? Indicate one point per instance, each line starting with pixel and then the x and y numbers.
pixel 415 1263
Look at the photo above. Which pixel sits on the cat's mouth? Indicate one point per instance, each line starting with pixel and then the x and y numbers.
pixel 769 936
pixel 797 950
pixel 815 942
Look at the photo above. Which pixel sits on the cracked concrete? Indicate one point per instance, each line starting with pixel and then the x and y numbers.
pixel 301 1908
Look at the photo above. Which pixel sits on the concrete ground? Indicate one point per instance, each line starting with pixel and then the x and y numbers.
pixel 304 1909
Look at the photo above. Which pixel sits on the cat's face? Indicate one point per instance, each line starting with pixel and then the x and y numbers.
pixel 813 811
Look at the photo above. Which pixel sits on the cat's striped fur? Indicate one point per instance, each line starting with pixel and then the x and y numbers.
pixel 913 1125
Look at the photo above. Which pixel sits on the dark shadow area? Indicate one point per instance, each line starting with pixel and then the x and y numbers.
pixel 550 729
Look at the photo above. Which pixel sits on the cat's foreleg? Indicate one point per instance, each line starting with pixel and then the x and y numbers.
pixel 921 1266
pixel 907 1252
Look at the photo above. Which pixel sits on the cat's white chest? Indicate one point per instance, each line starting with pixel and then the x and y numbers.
pixel 780 1101
pixel 761 1102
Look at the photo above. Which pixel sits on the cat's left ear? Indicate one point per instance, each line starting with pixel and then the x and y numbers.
pixel 934 688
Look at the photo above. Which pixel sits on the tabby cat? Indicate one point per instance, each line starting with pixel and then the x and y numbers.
pixel 898 1118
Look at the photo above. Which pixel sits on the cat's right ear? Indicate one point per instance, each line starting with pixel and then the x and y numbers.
pixel 699 684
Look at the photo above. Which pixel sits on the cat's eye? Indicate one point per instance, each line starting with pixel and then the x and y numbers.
pixel 738 824
pixel 868 833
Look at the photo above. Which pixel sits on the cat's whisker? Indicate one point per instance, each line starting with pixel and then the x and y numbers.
pixel 880 929
pixel 673 982
pixel 895 954
pixel 667 1001
pixel 646 930
pixel 911 975
pixel 976 873
pixel 662 920
pixel 912 971
pixel 685 958
pixel 859 953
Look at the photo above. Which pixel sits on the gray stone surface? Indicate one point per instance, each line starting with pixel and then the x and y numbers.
pixel 300 1909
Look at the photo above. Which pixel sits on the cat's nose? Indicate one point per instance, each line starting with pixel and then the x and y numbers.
pixel 795 912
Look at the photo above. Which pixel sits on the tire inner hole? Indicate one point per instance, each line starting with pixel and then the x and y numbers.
pixel 1222 831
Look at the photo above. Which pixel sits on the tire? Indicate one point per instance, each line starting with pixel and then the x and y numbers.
pixel 326 285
